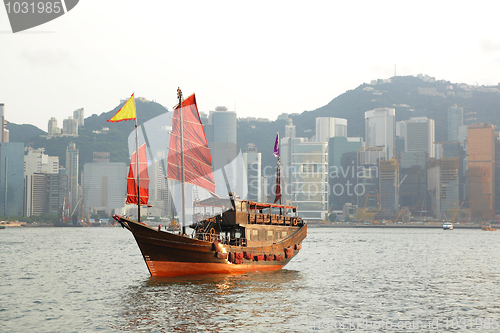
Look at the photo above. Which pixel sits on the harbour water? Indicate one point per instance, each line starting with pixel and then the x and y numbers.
pixel 343 280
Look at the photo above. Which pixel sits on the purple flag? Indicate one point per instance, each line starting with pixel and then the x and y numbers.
pixel 277 145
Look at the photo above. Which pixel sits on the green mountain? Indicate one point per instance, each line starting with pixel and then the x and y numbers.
pixel 410 96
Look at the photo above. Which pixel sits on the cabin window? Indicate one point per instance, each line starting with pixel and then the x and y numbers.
pixel 277 235
pixel 270 235
pixel 262 235
pixel 284 234
pixel 255 235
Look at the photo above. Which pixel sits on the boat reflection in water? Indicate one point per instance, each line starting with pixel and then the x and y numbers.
pixel 209 302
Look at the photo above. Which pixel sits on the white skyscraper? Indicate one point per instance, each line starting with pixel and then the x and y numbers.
pixel 36 166
pixel 420 135
pixel 380 129
pixel 78 115
pixel 329 127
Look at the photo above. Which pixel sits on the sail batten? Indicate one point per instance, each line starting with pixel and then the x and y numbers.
pixel 197 158
pixel 143 178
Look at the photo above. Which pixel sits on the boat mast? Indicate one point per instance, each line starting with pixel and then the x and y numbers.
pixel 179 96
pixel 137 168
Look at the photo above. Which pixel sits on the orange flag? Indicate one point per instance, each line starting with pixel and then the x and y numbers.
pixel 127 112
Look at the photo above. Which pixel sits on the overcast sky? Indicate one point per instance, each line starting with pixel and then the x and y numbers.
pixel 261 58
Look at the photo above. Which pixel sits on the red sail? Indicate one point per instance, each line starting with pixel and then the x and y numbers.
pixel 143 178
pixel 197 158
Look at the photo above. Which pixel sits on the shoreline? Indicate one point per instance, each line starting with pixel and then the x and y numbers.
pixel 394 225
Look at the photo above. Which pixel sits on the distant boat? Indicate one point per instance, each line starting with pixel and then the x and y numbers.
pixel 487 227
pixel 2 227
pixel 448 226
pixel 243 236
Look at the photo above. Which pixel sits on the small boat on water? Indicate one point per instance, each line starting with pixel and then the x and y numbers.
pixel 487 227
pixel 2 227
pixel 447 226
pixel 233 236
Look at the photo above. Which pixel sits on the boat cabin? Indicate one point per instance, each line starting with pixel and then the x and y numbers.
pixel 249 223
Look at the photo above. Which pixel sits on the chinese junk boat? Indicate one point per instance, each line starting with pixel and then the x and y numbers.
pixel 237 236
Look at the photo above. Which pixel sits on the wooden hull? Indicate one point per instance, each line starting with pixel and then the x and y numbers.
pixel 170 255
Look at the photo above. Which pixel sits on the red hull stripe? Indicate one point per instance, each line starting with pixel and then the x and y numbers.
pixel 172 269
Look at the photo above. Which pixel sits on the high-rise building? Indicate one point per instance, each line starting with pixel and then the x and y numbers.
pixel 388 186
pixel 221 138
pixel 413 182
pixel 78 115
pixel 37 167
pixel 339 178
pixel 53 130
pixel 380 129
pixel 224 125
pixel 253 165
pixel 72 169
pixel 401 128
pixel 481 175
pixel 305 176
pixel 290 131
pixel 105 187
pixel 443 186
pixel 368 177
pixel 11 178
pixel 329 127
pixel 420 136
pixel 70 127
pixel 455 120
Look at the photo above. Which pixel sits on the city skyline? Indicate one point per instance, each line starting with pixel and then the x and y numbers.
pixel 297 58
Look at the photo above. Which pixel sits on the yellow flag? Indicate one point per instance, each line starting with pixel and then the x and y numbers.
pixel 127 112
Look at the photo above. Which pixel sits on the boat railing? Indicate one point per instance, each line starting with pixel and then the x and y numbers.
pixel 226 240
pixel 275 219
pixel 208 237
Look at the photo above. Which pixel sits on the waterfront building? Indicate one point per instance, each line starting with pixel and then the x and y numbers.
pixel 40 195
pixel 413 183
pixel 329 127
pixel 455 120
pixel 420 135
pixel 72 169
pixel 389 186
pixel 443 186
pixel 339 175
pixel 368 176
pixel 481 175
pixel 380 129
pixel 253 165
pixel 105 187
pixel 221 132
pixel 305 176
pixel 11 178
